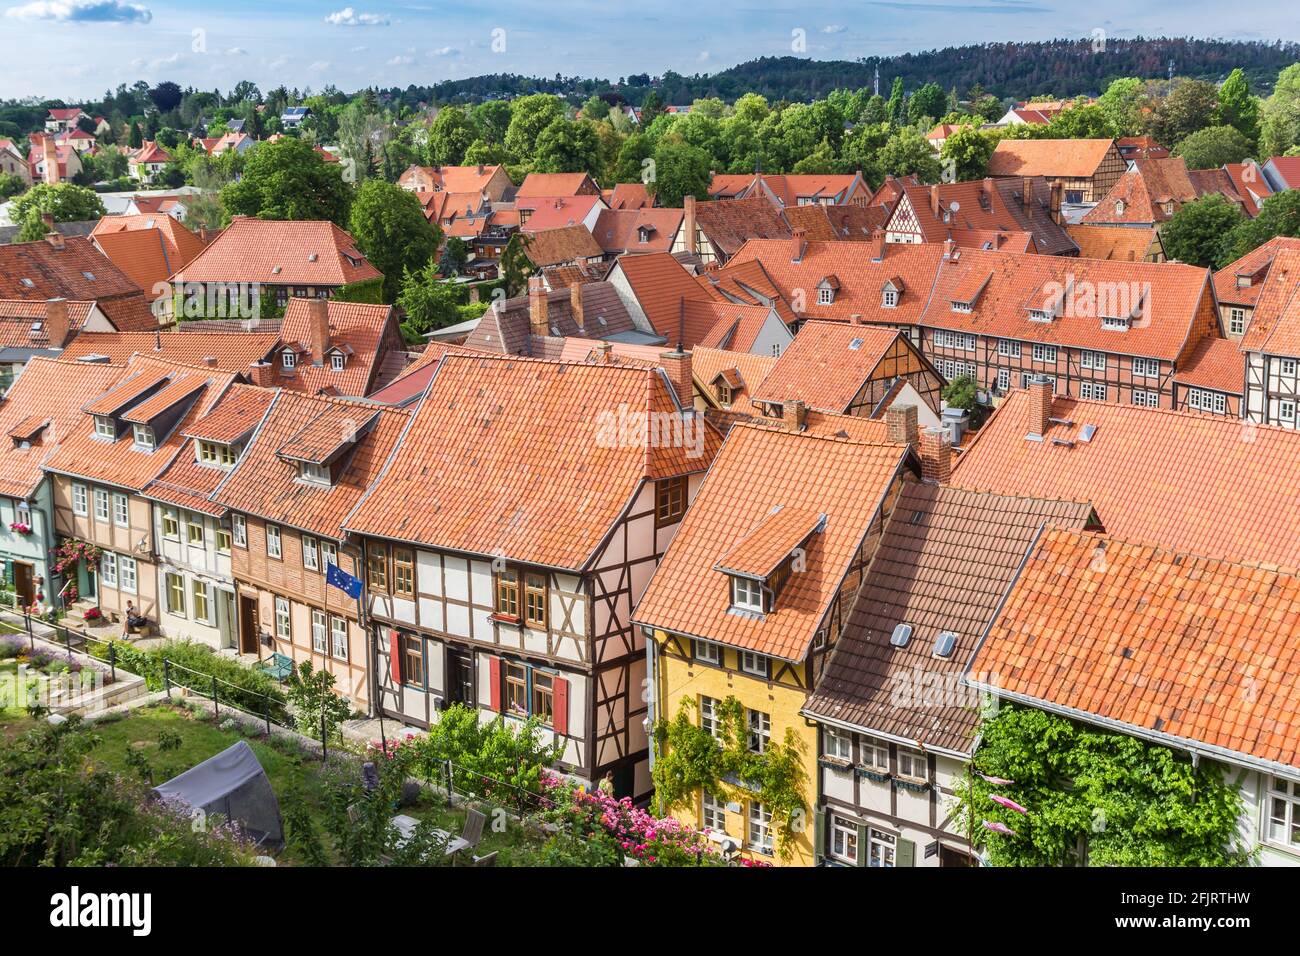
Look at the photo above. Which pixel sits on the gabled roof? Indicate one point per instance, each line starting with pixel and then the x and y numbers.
pixel 362 330
pixel 628 196
pixel 23 325
pixel 558 211
pixel 1214 363
pixel 553 247
pixel 945 561
pixel 729 223
pixel 75 270
pixel 759 469
pixel 273 252
pixel 734 327
pixel 662 285
pixel 988 206
pixel 149 249
pixel 749 370
pixel 1068 158
pixel 1254 265
pixel 1287 168
pixel 620 230
pixel 1185 480
pixel 1274 324
pixel 456 179
pixel 1143 193
pixel 1117 243
pixel 492 479
pixel 1249 182
pixel 231 351
pixel 554 184
pixel 826 365
pixel 761 552
pixel 235 416
pixel 1176 647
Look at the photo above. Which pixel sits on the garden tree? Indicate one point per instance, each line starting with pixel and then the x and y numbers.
pixel 968 149
pixel 135 138
pixel 652 108
pixel 1280 114
pixel 529 115
pixel 894 108
pixel 481 152
pixel 1094 797
pixel 361 136
pixel 455 253
pixel 450 136
pixel 629 166
pixel 567 147
pixel 109 163
pixel 11 185
pixel 926 104
pixel 861 150
pixel 983 104
pixel 515 266
pixel 822 160
pixel 317 711
pixel 608 143
pixel 1081 122
pixel 1213 146
pixel 166 96
pixel 1189 106
pixel 709 106
pixel 849 104
pixel 1238 108
pixel 680 171
pixel 288 179
pixel 963 392
pixel 1197 231
pixel 741 146
pixel 751 108
pixel 64 201
pixel 908 151
pixel 1122 103
pixel 389 226
pixel 429 302
pixel 492 118
pixel 704 132
pixel 1279 215
pixel 595 109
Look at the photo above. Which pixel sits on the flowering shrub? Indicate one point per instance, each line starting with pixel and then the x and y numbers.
pixel 71 552
pixel 93 614
pixel 20 527
pixel 11 646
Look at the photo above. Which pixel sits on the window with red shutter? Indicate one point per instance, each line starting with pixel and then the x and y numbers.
pixel 560 719
pixel 395 656
pixel 494 682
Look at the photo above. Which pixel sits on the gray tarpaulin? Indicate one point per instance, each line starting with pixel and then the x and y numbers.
pixel 234 785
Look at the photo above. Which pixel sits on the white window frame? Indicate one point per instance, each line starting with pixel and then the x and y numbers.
pixel 329 552
pixel 837 743
pixel 108 568
pixel 1205 400
pixel 843 840
pixel 1286 793
pixel 338 637
pixel 283 620
pixel 758 725
pixel 825 296
pixel 1146 367
pixel 104 428
pixel 1287 366
pixel 873 754
pixel 142 436
pixel 910 762
pixel 1286 410
pixel 274 546
pixel 713 813
pixel 1096 361
pixel 1009 348
pixel 754 664
pixel 127 573
pixel 1236 321
pixel 882 847
pixel 707 652
pixel 289 358
pixel 102 512
pixel 319 631
pixel 239 530
pixel 1004 379
pixel 758 829
pixel 337 362
pixel 1144 398
pixel 1044 353
pixel 170 578
pixel 80 500
pixel 710 719
pixel 310 556
pixel 889 300
pixel 121 510
pixel 1092 391
pixel 746 593
pixel 313 473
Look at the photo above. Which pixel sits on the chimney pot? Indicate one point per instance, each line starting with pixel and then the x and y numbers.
pixel 261 374
pixel 934 200
pixel 1040 404
pixel 794 414
pixel 57 322
pixel 688 223
pixel 318 332
pixel 538 320
pixel 798 242
pixel 603 350
pixel 678 366
pixel 936 456
pixel 902 423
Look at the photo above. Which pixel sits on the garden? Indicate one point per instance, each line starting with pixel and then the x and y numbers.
pixel 42 674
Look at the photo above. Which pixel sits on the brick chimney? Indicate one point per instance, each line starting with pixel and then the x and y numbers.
pixel 1027 193
pixel 987 190
pixel 52 234
pixel 575 306
pixel 57 322
pixel 1040 404
pixel 688 223
pixel 934 201
pixel 51 153
pixel 262 374
pixel 318 329
pixel 1058 190
pixel 794 414
pixel 538 321
pixel 603 352
pixel 878 246
pixel 677 364
pixel 798 242
pixel 948 246
pixel 902 423
pixel 936 456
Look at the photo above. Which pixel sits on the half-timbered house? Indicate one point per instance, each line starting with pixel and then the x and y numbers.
pixel 1271 344
pixel 547 491
pixel 1087 168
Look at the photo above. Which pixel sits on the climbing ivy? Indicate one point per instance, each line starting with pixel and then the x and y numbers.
pixel 1093 797
pixel 691 759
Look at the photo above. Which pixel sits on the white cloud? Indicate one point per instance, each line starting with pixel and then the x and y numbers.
pixel 401 61
pixel 445 51
pixel 833 28
pixel 82 11
pixel 236 51
pixel 320 66
pixel 348 17
pixel 702 56
pixel 359 49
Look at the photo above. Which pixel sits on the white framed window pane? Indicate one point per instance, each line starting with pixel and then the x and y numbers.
pixel 202 606
pixel 126 567
pixel 760 828
pixel 844 840
pixel 282 626
pixel 339 638
pixel 330 552
pixel 709 717
pixel 309 555
pixel 273 540
pixel 108 568
pixel 101 504
pixel 240 530
pixel 760 731
pixel 121 511
pixel 318 631
pixel 79 502
pixel 713 813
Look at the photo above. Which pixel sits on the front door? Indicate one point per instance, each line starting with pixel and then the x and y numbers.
pixel 25 583
pixel 226 617
pixel 247 625
pixel 952 857
pixel 460 677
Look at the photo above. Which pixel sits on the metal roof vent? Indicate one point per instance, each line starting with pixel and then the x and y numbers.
pixel 902 634
pixel 944 644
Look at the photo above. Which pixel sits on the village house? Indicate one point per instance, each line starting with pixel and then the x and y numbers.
pixel 13 162
pixel 64 120
pixel 793 189
pixel 34 329
pixel 147 163
pixel 1153 190
pixel 1250 184
pixel 1118 243
pixel 50 163
pixel 637 230
pixel 1038 112
pixel 725 379
pixel 557 212
pixel 976 214
pixel 490 182
pixel 149 249
pixel 1270 344
pixel 1087 168
pixel 550 185
pixel 1238 285
pixel 713 232
pixel 511 589
pixel 562 246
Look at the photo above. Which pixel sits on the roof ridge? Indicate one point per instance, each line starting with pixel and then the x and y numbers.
pixel 1158 548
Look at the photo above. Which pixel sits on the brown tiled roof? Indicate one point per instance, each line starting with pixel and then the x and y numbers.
pixel 1274 324
pixel 944 563
pixel 619 230
pixel 989 206
pixel 628 196
pixel 1188 648
pixel 148 248
pixel 51 391
pixel 363 331
pixel 233 351
pixel 181 388
pixel 1254 264
pixel 1069 158
pixel 18 318
pixel 267 486
pixel 1150 184
pixel 235 416
pixel 273 252
pixel 746 283
pixel 1215 363
pixel 1249 182
pixel 552 247
pixel 708 363
pixel 505 328
pixel 764 549
pixel 77 272
pixel 729 223
pixel 734 327
pixel 826 365
pixel 1118 243
pixel 758 469
pixel 1186 480
pixel 492 480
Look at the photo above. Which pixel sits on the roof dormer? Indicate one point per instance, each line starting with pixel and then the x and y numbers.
pixel 760 564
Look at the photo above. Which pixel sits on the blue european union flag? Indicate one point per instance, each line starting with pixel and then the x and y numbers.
pixel 343 581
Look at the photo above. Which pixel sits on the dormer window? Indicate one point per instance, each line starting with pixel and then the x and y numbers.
pixel 889 299
pixel 289 358
pixel 825 296
pixel 1119 207
pixel 314 473
pixel 144 437
pixel 105 428
pixel 964 307
pixel 337 361
pixel 1115 322
pixel 1040 315
pixel 746 594
pixel 216 454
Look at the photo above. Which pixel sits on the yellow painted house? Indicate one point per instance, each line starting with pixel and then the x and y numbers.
pixel 743 612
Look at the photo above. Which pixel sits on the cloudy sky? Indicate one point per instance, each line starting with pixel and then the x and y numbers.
pixel 79 48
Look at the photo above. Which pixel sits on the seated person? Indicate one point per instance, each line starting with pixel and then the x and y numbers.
pixel 134 619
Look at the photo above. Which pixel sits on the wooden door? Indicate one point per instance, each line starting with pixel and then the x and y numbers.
pixel 247 625
pixel 25 583
pixel 460 677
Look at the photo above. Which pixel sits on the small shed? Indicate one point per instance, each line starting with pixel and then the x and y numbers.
pixel 233 784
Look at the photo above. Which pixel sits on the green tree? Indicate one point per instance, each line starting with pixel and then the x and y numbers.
pixel 567 146
pixel 64 201
pixel 926 104
pixel 963 392
pixel 429 302
pixel 1280 114
pixel 595 109
pixel 318 712
pixel 1189 106
pixel 1279 215
pixel 1081 122
pixel 492 118
pixel 630 167
pixel 894 108
pixel 450 136
pixel 1122 103
pixel 908 151
pixel 288 179
pixel 1238 108
pixel 821 160
pixel 680 171
pixel 11 185
pixel 968 149
pixel 389 226
pixel 1213 146
pixel 529 115
pixel 652 108
pixel 455 253
pixel 1198 230
pixel 515 265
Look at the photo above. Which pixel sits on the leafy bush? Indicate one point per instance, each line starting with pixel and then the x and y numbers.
pixel 252 690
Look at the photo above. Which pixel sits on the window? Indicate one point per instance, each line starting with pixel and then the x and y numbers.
pixel 108 568
pixel 414 671
pixel 142 435
pixel 1093 391
pixel 310 556
pixel 175 594
pixel 873 754
pixel 844 840
pixel 318 626
pixel 1093 360
pixel 1236 321
pixel 535 600
pixel 1008 348
pixel 1146 368
pixel 1207 401
pixel 104 428
pixel 760 828
pixel 724 395
pixel 79 500
pixel 202 606
pixel 544 697
pixel 746 594
pixel 211 453
pixel 171 524
pixel 890 299
pixel 1286 411
pixel 825 296
pixel 1045 353
pixel 403 572
pixel 760 731
pixel 314 473
pixel 121 513
pixel 710 719
pixel 912 763
pixel 670 501
pixel 1116 323
pixel 508 593
pixel 223 540
pixel 880 848
pixel 713 813
pixel 240 530
pixel 1288 366
pixel 336 362
pixel 955 340
pixel 126 566
pixel 1004 379
pixel 837 744
pixel 516 688
pixel 1146 399
pixel 330 552
pixel 283 627
pixel 194 530
pixel 707 652
pixel 752 663
pixel 963 307
pixel 1284 812
pixel 273 547
pixel 289 358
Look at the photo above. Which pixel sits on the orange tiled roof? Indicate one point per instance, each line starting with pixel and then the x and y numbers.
pixel 552 247
pixel 826 365
pixel 1144 192
pixel 362 330
pixel 758 469
pixel 628 196
pixel 492 481
pixel 986 209
pixel 1118 243
pixel 1255 265
pixel 708 363
pixel 19 321
pixel 1186 480
pixel 1068 158
pixel 730 223
pixel 1189 648
pixel 149 249
pixel 661 285
pixel 1249 182
pixel 274 252
pixel 558 211
pixel 1215 363
pixel 552 184
pixel 620 230
pixel 1274 325
pixel 235 416
pixel 761 552
pixel 232 351
pixel 735 327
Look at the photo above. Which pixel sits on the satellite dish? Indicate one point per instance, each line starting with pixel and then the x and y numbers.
pixel 954 206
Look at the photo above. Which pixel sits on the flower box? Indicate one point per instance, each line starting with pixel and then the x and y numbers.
pixel 20 527
pixel 915 786
pixel 880 776
pixel 834 763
